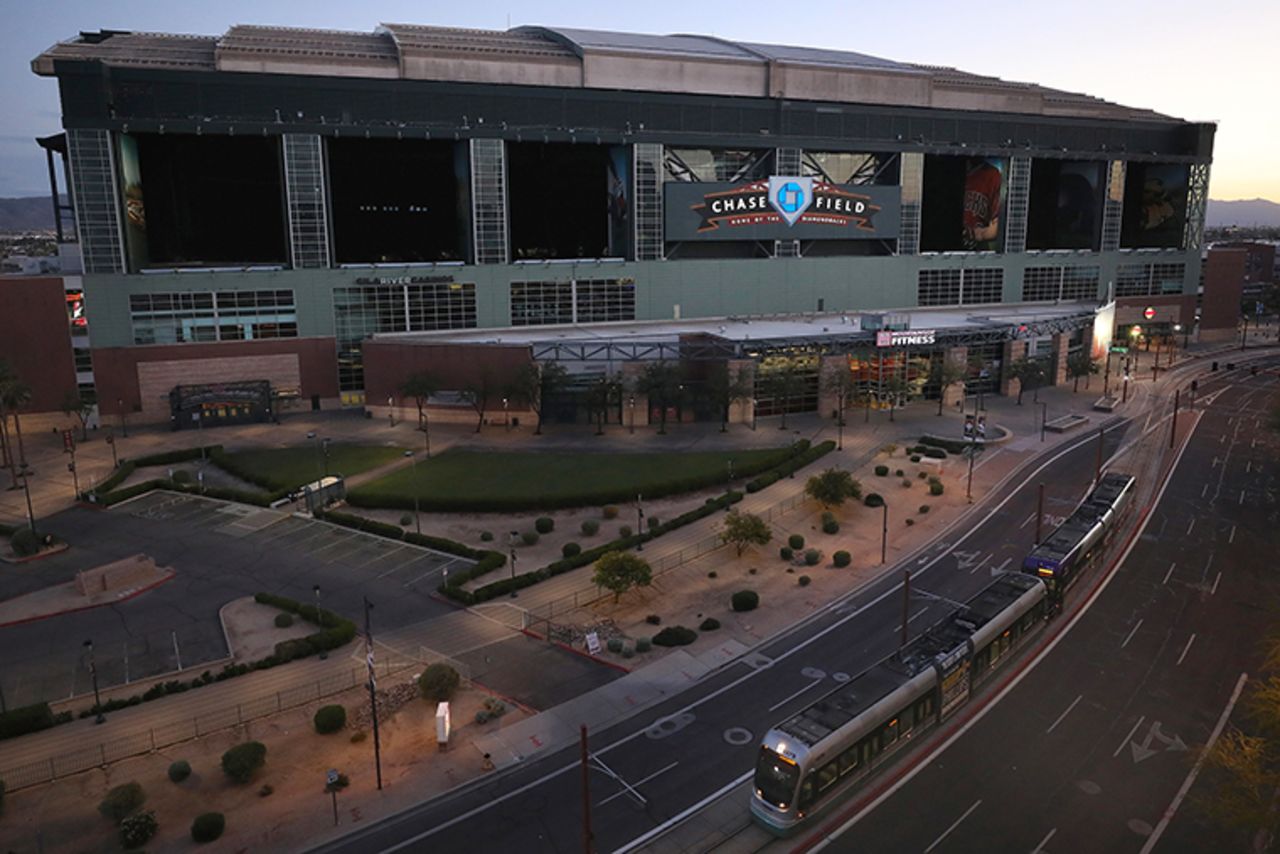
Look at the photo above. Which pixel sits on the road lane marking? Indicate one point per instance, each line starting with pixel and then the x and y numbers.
pixel 946 832
pixel 639 782
pixel 1044 842
pixel 1215 584
pixel 786 700
pixel 1027 521
pixel 910 619
pixel 1242 496
pixel 1204 489
pixel 1125 743
pixel 1169 573
pixel 1248 466
pixel 1195 771
pixel 1232 538
pixel 1001 567
pixel 1186 649
pixel 1132 632
pixel 1191 525
pixel 1054 725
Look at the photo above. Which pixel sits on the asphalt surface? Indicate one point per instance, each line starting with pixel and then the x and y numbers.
pixel 1089 751
pixel 220 553
pixel 644 775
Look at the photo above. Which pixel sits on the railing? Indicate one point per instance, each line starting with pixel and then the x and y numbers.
pixel 186 728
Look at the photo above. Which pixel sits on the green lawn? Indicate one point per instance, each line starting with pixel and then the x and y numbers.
pixel 285 468
pixel 464 480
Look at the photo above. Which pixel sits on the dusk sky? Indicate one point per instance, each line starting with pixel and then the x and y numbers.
pixel 1193 60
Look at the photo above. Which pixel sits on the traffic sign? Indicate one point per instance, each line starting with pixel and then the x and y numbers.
pixel 1119 348
pixel 1148 312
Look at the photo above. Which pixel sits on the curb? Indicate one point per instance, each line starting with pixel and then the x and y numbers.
pixel 576 651
pixel 131 595
pixel 56 549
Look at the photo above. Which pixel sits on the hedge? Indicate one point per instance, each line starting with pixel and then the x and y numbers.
pixel 179 456
pixel 588 556
pixel 179 770
pixel 116 478
pixel 335 630
pixel 955 446
pixel 675 636
pixel 121 801
pixel 803 456
pixel 33 718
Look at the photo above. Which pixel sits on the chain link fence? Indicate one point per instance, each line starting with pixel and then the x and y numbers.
pixel 186 728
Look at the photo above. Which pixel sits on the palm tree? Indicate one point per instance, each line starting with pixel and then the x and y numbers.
pixel 14 395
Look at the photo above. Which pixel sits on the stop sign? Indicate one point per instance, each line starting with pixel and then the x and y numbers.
pixel 1149 312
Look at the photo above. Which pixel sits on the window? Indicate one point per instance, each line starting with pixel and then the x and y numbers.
pixel 850 760
pixel 541 303
pixel 888 734
pixel 938 287
pixel 575 301
pixel 603 300
pixel 1133 280
pixel 826 776
pixel 176 318
pixel 1167 278
pixel 1041 284
pixel 983 286
pixel 1080 283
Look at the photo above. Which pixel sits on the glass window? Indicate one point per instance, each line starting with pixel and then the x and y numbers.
pixel 775 778
pixel 826 776
pixel 983 286
pixel 938 287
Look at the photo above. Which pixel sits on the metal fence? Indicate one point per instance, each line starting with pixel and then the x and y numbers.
pixel 186 728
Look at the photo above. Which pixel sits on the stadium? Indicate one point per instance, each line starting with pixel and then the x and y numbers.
pixel 333 212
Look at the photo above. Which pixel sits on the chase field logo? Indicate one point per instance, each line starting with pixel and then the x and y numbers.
pixel 786 199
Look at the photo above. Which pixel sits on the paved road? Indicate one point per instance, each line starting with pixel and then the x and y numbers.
pixel 643 775
pixel 1089 751
pixel 221 551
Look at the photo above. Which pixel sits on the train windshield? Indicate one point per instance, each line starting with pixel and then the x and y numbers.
pixel 776 778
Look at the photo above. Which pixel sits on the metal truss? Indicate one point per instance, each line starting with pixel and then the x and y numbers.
pixel 710 347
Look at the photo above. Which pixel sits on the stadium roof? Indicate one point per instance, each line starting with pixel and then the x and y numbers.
pixel 562 56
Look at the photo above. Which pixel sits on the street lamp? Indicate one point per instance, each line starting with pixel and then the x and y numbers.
pixel 319 465
pixel 753 414
pixel 111 440
pixel 24 472
pixel 93 672
pixel 315 588
pixel 391 412
pixel 124 425
pixel 1044 417
pixel 324 453
pixel 417 520
pixel 631 407
pixel 511 552
pixel 506 417
pixel 639 522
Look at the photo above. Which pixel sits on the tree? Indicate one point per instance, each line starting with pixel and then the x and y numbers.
pixel 841 383
pixel 1079 365
pixel 477 391
pixel 79 404
pixel 832 487
pixel 14 395
pixel 745 529
pixel 1243 786
pixel 1028 372
pixel 897 387
pixel 724 389
pixel 620 571
pixel 602 394
pixel 420 386
pixel 660 382
pixel 946 373
pixel 782 384
pixel 535 384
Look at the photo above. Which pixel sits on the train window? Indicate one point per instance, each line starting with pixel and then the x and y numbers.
pixel 826 775
pixel 982 659
pixel 806 792
pixel 924 709
pixel 849 760
pixel 888 734
pixel 906 721
pixel 870 748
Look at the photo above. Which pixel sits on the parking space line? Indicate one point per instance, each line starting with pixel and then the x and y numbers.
pixel 340 539
pixel 1186 648
pixel 410 562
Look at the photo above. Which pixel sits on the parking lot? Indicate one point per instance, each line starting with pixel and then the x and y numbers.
pixel 221 552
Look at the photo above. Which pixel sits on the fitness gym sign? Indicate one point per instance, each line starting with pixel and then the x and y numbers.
pixel 780 207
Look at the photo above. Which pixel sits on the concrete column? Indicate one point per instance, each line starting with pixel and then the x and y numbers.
pixel 1013 351
pixel 1058 366
pixel 829 368
pixel 954 393
pixel 743 370
pixel 631 374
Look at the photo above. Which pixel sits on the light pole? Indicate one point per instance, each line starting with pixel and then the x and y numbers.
pixel 973 451
pixel 319 465
pixel 391 412
pixel 124 425
pixel 511 553
pixel 324 453
pixel 417 520
pixel 506 417
pixel 315 588
pixel 111 440
pixel 24 472
pixel 631 408
pixel 884 533
pixel 93 672
pixel 1044 417
pixel 639 522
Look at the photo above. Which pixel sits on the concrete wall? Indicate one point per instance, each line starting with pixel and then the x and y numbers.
pixel 35 338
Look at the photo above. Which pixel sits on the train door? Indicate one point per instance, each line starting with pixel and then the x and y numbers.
pixel 956 681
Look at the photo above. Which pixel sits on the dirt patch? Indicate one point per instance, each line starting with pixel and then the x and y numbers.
pixel 297 815
pixel 251 630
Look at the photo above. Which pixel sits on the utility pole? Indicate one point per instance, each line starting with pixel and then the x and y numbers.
pixel 1173 428
pixel 906 602
pixel 1039 513
pixel 373 689
pixel 586 795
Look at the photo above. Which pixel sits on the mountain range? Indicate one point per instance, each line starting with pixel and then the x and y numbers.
pixel 34 213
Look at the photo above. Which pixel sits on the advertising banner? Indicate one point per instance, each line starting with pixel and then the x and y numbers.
pixel 779 208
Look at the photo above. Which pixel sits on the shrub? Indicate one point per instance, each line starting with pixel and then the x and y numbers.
pixel 654 522
pixel 544 524
pixel 590 527
pixel 137 830
pixel 182 476
pixel 609 512
pixel 796 541
pixel 831 527
pixel 358 736
pixel 828 516
pixel 935 453
pixel 653 620
pixel 899 473
pixel 179 770
pixel 529 538
pixel 330 719
pixel 486 536
pixel 570 549
pixel 406 520
pixel 922 475
pixel 121 801
pixel 240 762
pixel 841 558
pixel 803 580
pixel 643 645
pixel 25 719
pixel 713 574
pixel 745 600
pixel 438 682
pixel 915 458
pixel 811 557
pixel 628 652
pixel 752 571
pixel 24 543
pixel 786 552
pixel 625 531
pixel 283 620
pixel 906 483
pixel 910 521
pixel 882 470
pixel 266 791
pixel 675 636
pixel 935 488
pixel 924 508
pixel 873 500
pixel 710 624
pixel 889 449
pixel 614 644
pixel 208 826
